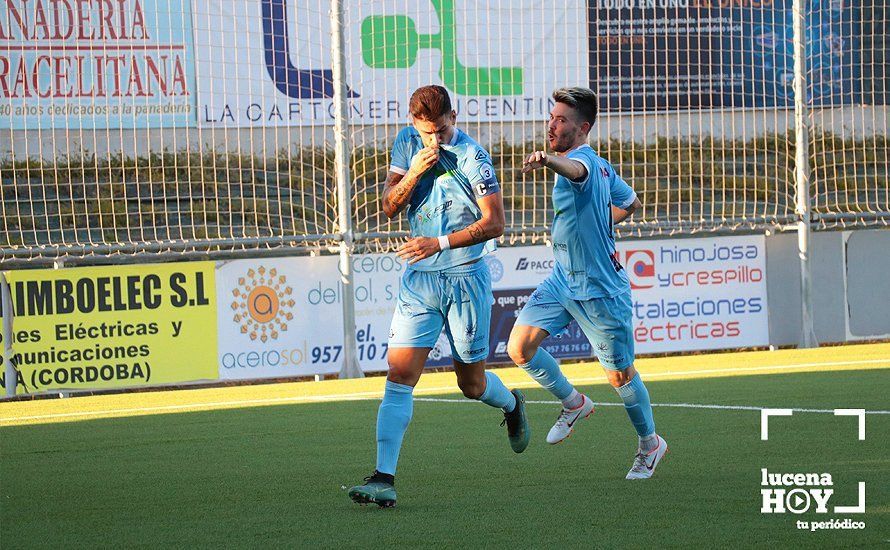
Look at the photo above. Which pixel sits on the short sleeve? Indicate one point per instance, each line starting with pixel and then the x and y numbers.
pixel 583 155
pixel 622 194
pixel 400 150
pixel 480 171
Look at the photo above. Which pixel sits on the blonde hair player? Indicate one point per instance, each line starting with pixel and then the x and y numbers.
pixel 588 283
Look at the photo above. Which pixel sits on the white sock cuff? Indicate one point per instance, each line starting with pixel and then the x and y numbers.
pixel 573 400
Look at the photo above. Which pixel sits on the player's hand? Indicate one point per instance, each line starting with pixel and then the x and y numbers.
pixel 536 160
pixel 424 160
pixel 418 248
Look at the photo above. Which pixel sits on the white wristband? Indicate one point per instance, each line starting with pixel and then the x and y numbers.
pixel 443 243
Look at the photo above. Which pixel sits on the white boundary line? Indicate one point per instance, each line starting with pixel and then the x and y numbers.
pixel 666 405
pixel 231 404
pixel 440 389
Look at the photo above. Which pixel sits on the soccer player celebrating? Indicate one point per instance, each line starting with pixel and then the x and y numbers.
pixel 446 182
pixel 588 283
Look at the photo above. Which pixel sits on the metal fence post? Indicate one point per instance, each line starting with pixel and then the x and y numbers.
pixel 802 174
pixel 11 377
pixel 350 367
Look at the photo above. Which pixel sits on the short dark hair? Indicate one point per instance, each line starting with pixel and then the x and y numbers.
pixel 429 102
pixel 582 100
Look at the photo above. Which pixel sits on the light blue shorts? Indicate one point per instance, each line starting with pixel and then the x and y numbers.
pixel 607 322
pixel 458 298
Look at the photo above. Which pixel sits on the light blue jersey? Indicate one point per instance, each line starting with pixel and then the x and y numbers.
pixel 444 200
pixel 587 265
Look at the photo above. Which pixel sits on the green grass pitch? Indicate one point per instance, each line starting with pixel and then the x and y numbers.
pixel 274 476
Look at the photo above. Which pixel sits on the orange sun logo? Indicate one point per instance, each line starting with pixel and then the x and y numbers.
pixel 263 304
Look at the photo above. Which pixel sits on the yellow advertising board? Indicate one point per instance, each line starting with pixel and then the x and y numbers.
pixel 113 326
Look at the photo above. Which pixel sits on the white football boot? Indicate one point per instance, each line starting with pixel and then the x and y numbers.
pixel 645 463
pixel 565 423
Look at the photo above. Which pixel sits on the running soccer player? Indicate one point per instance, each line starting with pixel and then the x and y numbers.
pixel 447 183
pixel 588 283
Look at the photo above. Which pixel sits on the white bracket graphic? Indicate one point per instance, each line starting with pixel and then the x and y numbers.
pixel 859 508
pixel 764 420
pixel 766 413
pixel 854 412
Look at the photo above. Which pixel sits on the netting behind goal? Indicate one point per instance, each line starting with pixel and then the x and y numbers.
pixel 168 127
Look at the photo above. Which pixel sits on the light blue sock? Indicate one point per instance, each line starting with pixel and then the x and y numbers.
pixel 393 417
pixel 496 393
pixel 544 368
pixel 636 403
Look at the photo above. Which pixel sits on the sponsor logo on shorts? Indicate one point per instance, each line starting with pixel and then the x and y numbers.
pixel 495 268
pixel 614 359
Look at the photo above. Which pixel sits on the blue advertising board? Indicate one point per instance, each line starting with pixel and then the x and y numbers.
pixel 662 55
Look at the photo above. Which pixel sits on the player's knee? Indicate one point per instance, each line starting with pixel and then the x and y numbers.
pixel 472 389
pixel 401 375
pixel 618 378
pixel 521 352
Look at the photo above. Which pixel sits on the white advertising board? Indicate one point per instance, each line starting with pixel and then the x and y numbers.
pixel 283 317
pixel 269 63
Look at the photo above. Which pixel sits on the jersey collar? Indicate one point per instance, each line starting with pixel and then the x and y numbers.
pixel 454 138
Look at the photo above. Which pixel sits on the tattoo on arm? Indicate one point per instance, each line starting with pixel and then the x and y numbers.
pixel 398 194
pixel 401 190
pixel 477 232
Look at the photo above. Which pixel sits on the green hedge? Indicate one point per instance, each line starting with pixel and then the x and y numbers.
pixel 182 195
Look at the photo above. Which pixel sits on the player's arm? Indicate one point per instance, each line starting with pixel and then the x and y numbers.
pixel 489 226
pixel 624 200
pixel 621 214
pixel 566 167
pixel 399 187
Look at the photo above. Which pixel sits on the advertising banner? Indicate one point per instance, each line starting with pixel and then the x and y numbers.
pixel 113 326
pixel 650 55
pixel 284 317
pixel 688 294
pixel 124 326
pixel 85 65
pixel 515 273
pixel 698 294
pixel 269 63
